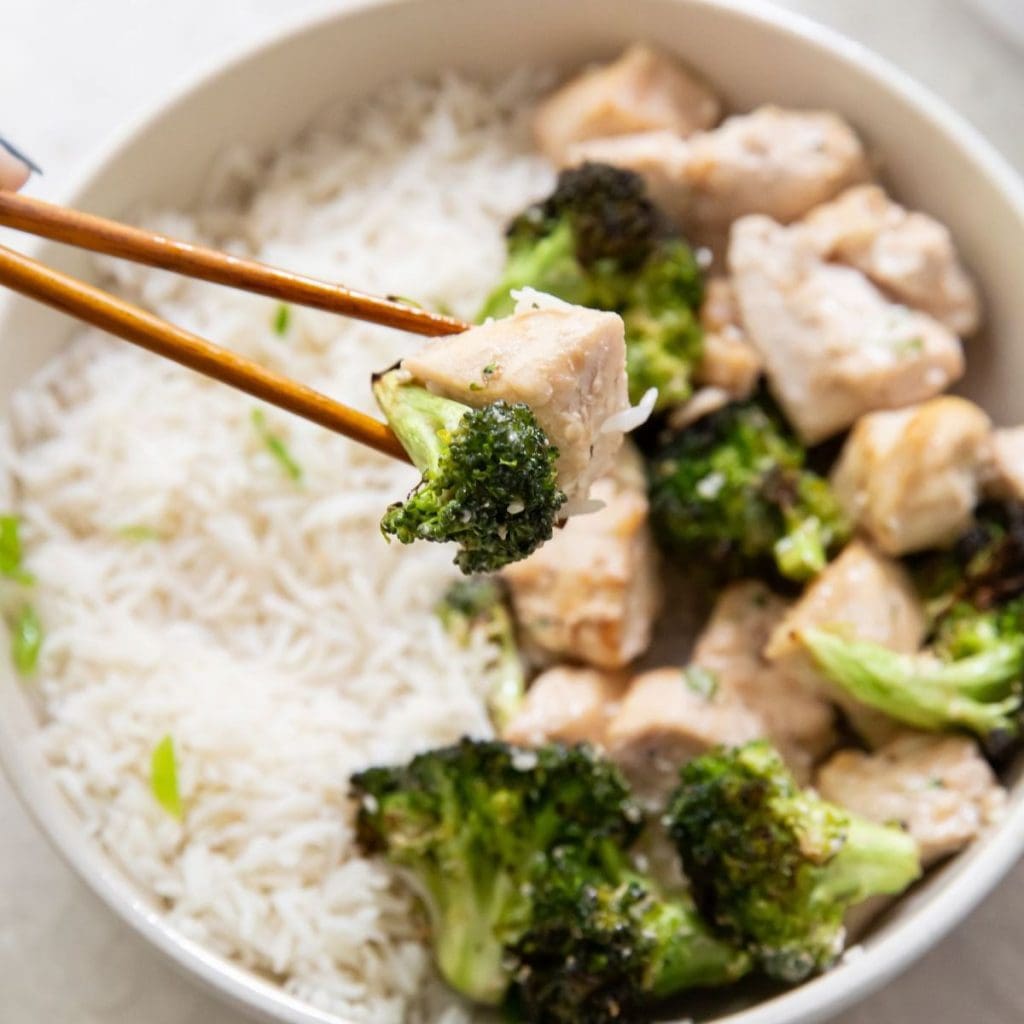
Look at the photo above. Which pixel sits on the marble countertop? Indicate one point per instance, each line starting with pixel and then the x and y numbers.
pixel 70 73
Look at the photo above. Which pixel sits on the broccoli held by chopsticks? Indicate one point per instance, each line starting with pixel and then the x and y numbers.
pixel 473 825
pixel 475 611
pixel 776 867
pixel 599 241
pixel 489 479
pixel 605 945
pixel 733 491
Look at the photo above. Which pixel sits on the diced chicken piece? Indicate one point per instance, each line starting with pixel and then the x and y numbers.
pixel 644 90
pixel 797 720
pixel 833 346
pixel 910 478
pixel 910 255
pixel 774 161
pixel 1004 467
pixel 665 720
pixel 870 597
pixel 591 593
pixel 567 364
pixel 566 704
pixel 729 361
pixel 939 788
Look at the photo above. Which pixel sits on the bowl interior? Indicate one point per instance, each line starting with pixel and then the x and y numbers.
pixel 260 101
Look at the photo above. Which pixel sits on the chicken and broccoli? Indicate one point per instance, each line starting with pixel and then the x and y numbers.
pixel 856 535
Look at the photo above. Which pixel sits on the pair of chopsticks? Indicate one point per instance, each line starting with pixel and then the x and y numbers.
pixel 130 322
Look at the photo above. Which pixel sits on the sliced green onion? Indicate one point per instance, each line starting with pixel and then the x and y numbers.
pixel 11 553
pixel 282 318
pixel 163 777
pixel 26 640
pixel 701 681
pixel 138 532
pixel 276 446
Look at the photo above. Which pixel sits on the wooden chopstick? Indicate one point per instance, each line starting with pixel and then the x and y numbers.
pixel 87 231
pixel 96 307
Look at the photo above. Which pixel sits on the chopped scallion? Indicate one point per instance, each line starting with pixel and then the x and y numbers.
pixel 276 446
pixel 163 777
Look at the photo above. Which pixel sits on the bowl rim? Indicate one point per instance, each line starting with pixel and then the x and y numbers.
pixel 853 979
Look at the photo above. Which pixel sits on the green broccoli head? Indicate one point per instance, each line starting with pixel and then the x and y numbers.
pixel 604 944
pixel 476 611
pixel 733 490
pixel 774 867
pixel 473 825
pixel 976 686
pixel 599 241
pixel 489 478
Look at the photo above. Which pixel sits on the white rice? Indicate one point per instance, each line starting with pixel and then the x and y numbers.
pixel 270 630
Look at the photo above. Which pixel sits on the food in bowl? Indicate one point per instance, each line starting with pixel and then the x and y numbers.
pixel 228 639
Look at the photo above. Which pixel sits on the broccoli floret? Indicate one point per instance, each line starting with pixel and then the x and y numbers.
pixel 599 241
pixel 775 867
pixel 474 824
pixel 605 944
pixel 489 478
pixel 733 491
pixel 476 611
pixel 982 570
pixel 979 691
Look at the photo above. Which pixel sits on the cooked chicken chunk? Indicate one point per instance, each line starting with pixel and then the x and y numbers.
pixel 667 717
pixel 869 596
pixel 568 365
pixel 910 478
pixel 797 720
pixel 566 704
pixel 910 255
pixel 773 161
pixel 1004 467
pixel 591 593
pixel 939 788
pixel 834 347
pixel 729 361
pixel 643 90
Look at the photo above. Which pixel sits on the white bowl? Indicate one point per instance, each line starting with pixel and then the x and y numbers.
pixel 931 158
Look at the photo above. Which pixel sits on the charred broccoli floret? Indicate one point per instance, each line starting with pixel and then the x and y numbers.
pixel 733 490
pixel 489 478
pixel 776 867
pixel 474 824
pixel 605 944
pixel 475 611
pixel 599 241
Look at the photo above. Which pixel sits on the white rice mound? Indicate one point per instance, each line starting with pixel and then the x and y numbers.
pixel 268 628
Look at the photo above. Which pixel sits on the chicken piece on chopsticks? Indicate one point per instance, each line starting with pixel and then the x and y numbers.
pixel 643 90
pixel 908 254
pixel 910 478
pixel 939 788
pixel 834 346
pixel 506 422
pixel 591 593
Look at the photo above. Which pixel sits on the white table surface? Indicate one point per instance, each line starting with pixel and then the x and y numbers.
pixel 70 72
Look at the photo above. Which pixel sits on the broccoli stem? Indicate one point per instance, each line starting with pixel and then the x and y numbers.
pixel 874 860
pixel 974 692
pixel 686 954
pixel 422 420
pixel 801 553
pixel 550 264
pixel 468 938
